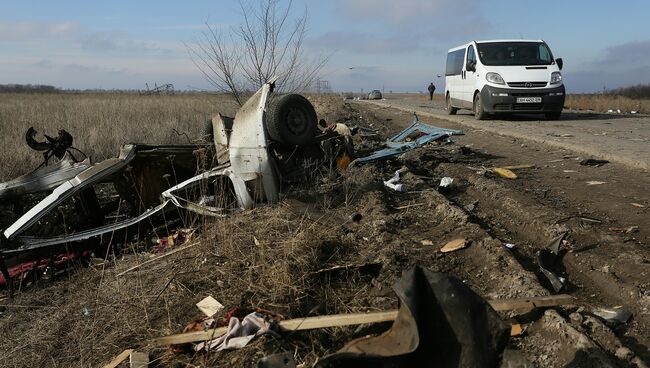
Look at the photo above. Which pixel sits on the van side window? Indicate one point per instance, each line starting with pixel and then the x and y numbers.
pixel 471 56
pixel 455 61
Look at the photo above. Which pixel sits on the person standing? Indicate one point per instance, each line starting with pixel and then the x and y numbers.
pixel 432 89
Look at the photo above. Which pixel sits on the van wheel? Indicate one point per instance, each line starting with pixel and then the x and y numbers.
pixel 450 109
pixel 479 114
pixel 553 115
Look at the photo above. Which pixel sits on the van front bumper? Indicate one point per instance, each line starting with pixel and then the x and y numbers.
pixel 495 100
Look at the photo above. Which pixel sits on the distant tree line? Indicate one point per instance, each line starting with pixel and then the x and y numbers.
pixel 639 91
pixel 31 88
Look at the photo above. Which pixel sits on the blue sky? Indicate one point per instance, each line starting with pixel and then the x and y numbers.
pixel 399 45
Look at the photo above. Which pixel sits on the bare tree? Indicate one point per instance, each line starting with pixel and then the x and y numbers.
pixel 268 42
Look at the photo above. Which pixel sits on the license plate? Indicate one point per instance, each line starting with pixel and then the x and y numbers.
pixel 529 99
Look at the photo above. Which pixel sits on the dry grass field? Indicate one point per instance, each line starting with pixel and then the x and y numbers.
pixel 99 123
pixel 603 103
pixel 305 257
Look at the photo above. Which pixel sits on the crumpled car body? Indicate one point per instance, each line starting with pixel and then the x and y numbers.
pixel 44 178
pixel 248 174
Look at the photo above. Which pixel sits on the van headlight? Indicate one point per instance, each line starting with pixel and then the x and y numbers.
pixel 494 78
pixel 556 77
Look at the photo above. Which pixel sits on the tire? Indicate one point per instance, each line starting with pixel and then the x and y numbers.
pixel 479 114
pixel 291 120
pixel 553 115
pixel 450 109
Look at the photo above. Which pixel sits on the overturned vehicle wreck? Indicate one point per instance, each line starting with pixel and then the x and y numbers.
pixel 268 142
pixel 271 141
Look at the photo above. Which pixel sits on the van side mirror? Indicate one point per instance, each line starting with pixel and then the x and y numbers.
pixel 471 66
pixel 560 63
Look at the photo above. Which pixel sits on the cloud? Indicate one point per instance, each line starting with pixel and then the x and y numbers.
pixel 609 78
pixel 410 12
pixel 18 31
pixel 364 43
pixel 190 27
pixel 75 67
pixel 121 41
pixel 627 53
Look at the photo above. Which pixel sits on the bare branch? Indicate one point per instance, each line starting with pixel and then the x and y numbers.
pixel 269 41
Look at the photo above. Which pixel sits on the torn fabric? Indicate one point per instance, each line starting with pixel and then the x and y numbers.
pixel 239 333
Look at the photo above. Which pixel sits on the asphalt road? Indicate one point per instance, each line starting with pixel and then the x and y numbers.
pixel 618 138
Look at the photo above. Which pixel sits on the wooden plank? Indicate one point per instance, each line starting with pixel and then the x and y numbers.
pixel 157 258
pixel 338 320
pixel 530 303
pixel 189 337
pixel 119 359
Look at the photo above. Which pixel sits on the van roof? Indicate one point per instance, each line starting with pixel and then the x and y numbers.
pixel 512 40
pixel 488 41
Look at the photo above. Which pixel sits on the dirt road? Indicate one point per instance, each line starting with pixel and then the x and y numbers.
pixel 604 209
pixel 615 137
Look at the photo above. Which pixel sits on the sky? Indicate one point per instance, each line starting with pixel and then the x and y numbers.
pixel 394 45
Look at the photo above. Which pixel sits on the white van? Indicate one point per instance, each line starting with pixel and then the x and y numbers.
pixel 504 76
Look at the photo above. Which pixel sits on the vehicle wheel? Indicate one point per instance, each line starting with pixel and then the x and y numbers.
pixel 553 115
pixel 291 119
pixel 450 109
pixel 206 135
pixel 479 114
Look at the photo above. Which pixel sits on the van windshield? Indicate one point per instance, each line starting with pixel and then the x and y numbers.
pixel 514 53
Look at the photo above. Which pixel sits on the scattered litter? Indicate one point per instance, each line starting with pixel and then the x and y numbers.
pixel 194 332
pixel 504 173
pixel 616 314
pixel 239 333
pixel 409 206
pixel 508 245
pixel 638 205
pixel 547 259
pixel 445 182
pixel 393 184
pixel 454 245
pixel 595 182
pixel 518 167
pixel 416 135
pixel 209 306
pixel 426 242
pixel 560 135
pixel 372 268
pixel 626 230
pixel 157 258
pixel 633 112
pixel 119 359
pixel 570 171
pixel 590 219
pixel 177 238
pixel 516 330
pixel 139 359
pixel 593 162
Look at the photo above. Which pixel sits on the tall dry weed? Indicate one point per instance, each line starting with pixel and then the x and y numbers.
pixel 99 123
